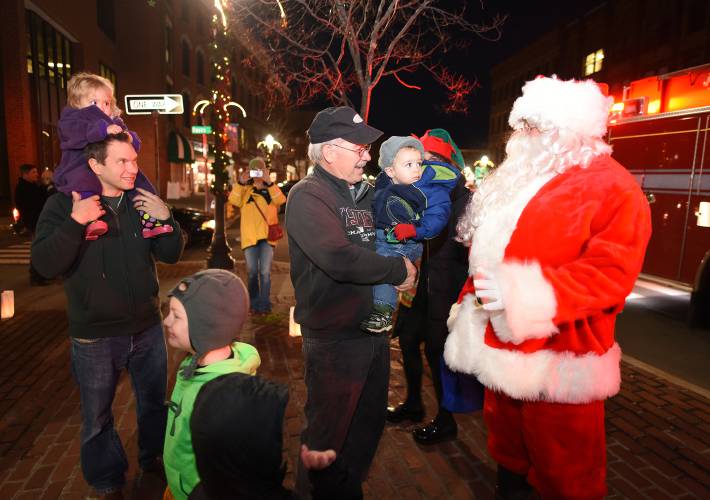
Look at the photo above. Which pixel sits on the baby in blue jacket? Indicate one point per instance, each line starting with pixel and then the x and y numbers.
pixel 91 115
pixel 412 203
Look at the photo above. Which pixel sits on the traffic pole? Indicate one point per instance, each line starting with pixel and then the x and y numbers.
pixel 157 152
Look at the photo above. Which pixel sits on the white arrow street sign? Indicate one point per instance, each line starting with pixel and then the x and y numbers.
pixel 165 104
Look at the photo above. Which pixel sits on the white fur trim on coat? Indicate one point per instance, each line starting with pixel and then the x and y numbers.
pixel 529 301
pixel 545 375
pixel 550 103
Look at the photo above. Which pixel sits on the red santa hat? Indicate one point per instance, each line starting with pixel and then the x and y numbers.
pixel 548 103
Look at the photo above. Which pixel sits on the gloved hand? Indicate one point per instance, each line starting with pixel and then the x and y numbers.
pixel 488 291
pixel 405 231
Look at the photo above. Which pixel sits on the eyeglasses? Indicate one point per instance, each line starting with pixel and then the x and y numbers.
pixel 360 151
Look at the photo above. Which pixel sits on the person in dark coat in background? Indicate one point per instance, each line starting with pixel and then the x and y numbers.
pixel 443 272
pixel 30 196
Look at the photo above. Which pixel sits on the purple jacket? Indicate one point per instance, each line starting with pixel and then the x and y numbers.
pixel 77 128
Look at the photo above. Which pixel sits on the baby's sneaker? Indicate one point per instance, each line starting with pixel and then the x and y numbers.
pixel 156 231
pixel 95 229
pixel 380 321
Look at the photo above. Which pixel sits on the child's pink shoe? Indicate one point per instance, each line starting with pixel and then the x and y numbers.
pixel 156 231
pixel 95 229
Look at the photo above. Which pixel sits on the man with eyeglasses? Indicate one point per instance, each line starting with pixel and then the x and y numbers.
pixel 331 235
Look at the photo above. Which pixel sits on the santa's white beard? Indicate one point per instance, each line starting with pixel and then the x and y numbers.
pixel 530 155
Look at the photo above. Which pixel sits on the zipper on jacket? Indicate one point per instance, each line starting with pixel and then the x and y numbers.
pixel 177 409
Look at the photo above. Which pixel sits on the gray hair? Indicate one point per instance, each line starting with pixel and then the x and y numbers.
pixel 315 151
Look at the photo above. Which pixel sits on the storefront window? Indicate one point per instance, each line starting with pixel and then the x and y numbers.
pixel 49 67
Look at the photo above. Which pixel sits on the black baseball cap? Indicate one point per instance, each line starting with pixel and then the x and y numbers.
pixel 344 123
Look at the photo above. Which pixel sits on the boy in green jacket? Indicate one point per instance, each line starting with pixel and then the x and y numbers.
pixel 207 311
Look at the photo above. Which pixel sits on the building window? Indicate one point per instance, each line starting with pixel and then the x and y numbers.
pixel 105 17
pixel 200 68
pixel 185 58
pixel 168 45
pixel 593 62
pixel 49 66
pixel 107 73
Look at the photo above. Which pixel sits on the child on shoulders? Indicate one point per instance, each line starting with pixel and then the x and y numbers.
pixel 90 116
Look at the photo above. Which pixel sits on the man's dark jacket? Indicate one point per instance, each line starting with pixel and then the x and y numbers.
pixel 331 241
pixel 111 283
pixel 29 198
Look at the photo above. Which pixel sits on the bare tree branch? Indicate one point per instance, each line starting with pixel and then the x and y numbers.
pixel 340 49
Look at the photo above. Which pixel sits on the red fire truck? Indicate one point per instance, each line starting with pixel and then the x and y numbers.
pixel 659 130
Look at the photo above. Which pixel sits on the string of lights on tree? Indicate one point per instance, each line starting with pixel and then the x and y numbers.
pixel 221 82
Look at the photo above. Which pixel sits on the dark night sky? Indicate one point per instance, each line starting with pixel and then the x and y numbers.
pixel 401 111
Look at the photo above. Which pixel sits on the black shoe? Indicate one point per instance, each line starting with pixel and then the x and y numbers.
pixel 435 432
pixel 512 486
pixel 150 481
pixel 401 412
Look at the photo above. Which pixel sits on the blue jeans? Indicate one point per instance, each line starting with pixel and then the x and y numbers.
pixel 259 258
pixel 97 365
pixel 386 294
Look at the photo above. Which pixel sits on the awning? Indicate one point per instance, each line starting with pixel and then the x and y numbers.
pixel 179 149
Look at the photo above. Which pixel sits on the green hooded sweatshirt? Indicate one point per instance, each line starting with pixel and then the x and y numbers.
pixel 178 456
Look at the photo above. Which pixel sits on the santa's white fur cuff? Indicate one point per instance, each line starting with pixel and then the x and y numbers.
pixel 529 300
pixel 544 375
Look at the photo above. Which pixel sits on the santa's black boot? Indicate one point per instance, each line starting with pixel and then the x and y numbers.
pixel 512 486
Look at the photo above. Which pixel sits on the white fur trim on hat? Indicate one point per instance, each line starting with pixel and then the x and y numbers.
pixel 545 375
pixel 550 103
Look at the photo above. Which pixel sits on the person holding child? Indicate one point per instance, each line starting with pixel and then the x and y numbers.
pixel 442 274
pixel 90 116
pixel 411 204
pixel 113 307
pixel 334 265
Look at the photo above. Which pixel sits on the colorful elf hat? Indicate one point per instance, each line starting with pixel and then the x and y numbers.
pixel 439 142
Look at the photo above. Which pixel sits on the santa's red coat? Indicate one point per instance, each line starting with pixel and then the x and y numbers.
pixel 566 251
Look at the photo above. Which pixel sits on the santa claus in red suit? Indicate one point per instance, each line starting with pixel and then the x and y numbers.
pixel 557 236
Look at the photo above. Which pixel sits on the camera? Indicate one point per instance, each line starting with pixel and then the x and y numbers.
pixel 255 173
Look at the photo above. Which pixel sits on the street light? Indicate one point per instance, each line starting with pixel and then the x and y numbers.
pixel 268 145
pixel 482 168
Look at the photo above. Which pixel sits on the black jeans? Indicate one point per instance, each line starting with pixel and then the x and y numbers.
pixel 414 327
pixel 345 410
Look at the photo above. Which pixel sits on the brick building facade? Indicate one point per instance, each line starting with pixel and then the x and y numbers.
pixel 616 42
pixel 145 47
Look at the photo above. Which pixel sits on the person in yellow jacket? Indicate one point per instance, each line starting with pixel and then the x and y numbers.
pixel 257 199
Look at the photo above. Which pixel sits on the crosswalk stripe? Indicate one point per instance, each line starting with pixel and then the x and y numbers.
pixel 15 255
pixel 8 262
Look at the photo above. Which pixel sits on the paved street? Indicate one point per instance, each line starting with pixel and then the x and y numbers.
pixel 658 431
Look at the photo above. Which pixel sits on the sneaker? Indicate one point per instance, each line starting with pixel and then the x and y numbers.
pixel 378 322
pixel 156 231
pixel 95 229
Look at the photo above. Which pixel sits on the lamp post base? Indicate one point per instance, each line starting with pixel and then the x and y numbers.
pixel 219 251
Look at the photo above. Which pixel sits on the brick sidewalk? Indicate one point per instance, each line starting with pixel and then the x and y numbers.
pixel 658 433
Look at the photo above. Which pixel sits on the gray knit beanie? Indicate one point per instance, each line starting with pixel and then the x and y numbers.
pixel 216 302
pixel 391 146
